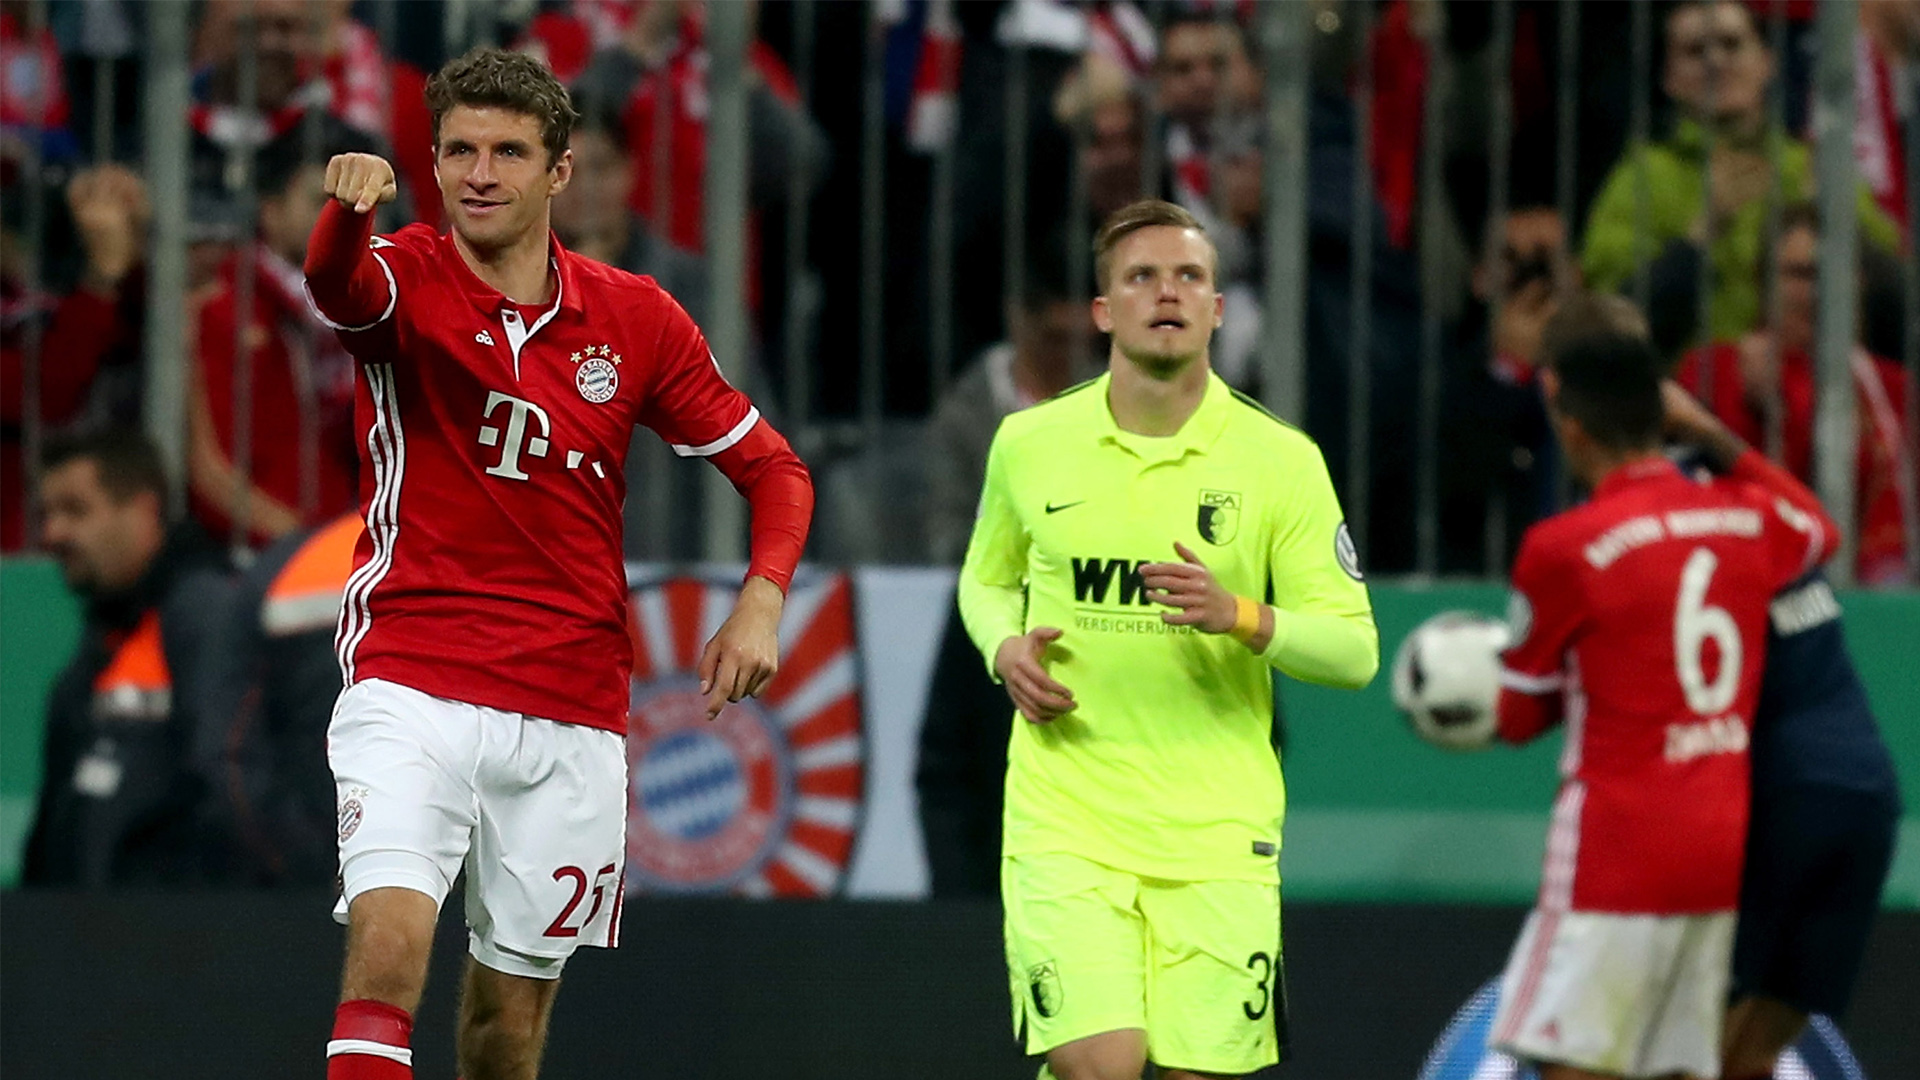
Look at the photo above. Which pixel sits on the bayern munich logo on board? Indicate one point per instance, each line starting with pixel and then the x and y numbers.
pixel 766 799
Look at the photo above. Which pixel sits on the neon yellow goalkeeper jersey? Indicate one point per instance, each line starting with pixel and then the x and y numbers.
pixel 1165 768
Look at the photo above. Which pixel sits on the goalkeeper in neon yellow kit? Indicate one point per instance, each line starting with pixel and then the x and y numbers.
pixel 1129 530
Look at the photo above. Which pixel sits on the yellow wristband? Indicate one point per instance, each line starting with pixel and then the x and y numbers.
pixel 1246 619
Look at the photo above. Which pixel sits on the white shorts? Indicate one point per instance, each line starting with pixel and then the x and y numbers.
pixel 535 810
pixel 1626 995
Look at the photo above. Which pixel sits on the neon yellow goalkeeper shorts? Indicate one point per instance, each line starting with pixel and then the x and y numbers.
pixel 1197 965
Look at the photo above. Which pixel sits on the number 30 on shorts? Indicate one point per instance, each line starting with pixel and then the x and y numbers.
pixel 562 925
pixel 1264 964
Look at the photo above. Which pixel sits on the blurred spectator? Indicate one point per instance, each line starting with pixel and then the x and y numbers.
pixel 272 680
pixel 1401 80
pixel 1391 300
pixel 1102 106
pixel 1239 202
pixel 227 117
pixel 565 36
pixel 299 51
pixel 1034 46
pixel 118 795
pixel 300 462
pixel 658 78
pixel 599 48
pixel 1762 385
pixel 1049 348
pixel 1886 68
pixel 1118 31
pixel 1203 73
pixel 592 216
pixel 1718 68
pixel 921 62
pixel 383 97
pixel 33 107
pixel 94 329
pixel 1501 473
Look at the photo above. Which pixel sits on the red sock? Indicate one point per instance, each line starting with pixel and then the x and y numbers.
pixel 370 1042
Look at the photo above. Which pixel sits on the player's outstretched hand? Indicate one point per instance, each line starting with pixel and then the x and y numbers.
pixel 361 181
pixel 1190 588
pixel 1021 663
pixel 744 654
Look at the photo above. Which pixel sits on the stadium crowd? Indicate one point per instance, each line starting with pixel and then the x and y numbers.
pixel 1123 99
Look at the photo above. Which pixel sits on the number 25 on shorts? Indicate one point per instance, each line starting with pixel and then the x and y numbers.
pixel 560 926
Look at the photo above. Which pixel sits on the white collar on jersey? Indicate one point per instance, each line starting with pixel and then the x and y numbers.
pixel 518 329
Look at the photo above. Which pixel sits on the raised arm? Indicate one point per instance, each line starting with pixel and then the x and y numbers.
pixel 1691 422
pixel 347 283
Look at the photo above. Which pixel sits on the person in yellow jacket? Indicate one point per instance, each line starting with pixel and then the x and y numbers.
pixel 1149 546
pixel 1706 187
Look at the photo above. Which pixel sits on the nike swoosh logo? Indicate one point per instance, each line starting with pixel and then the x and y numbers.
pixel 1052 509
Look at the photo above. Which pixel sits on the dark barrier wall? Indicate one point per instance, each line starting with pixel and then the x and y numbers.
pixel 237 985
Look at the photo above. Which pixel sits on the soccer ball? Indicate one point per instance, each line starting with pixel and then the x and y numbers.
pixel 1446 678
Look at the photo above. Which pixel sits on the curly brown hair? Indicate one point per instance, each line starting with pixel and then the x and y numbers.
pixel 500 79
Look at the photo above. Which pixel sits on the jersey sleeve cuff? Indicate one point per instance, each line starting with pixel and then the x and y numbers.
pixel 732 437
pixel 393 300
pixel 1283 626
pixel 1536 685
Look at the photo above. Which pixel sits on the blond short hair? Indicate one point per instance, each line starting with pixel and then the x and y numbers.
pixel 1130 219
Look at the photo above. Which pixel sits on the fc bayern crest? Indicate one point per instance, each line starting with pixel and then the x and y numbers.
pixel 598 376
pixel 352 812
pixel 765 800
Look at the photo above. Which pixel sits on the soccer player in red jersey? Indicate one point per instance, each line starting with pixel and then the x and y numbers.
pixel 1639 620
pixel 483 634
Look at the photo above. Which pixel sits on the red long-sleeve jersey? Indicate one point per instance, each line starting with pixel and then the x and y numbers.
pixel 493 439
pixel 1641 618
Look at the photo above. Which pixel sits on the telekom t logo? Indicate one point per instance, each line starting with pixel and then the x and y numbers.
pixel 517 439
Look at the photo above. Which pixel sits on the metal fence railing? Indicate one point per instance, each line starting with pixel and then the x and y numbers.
pixel 874 207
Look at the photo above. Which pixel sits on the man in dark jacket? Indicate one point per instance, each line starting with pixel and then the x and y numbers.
pixel 118 793
pixel 272 677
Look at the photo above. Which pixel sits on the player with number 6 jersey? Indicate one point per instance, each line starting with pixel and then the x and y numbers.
pixel 483 635
pixel 1639 619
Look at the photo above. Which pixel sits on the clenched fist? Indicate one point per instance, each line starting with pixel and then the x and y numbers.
pixel 361 181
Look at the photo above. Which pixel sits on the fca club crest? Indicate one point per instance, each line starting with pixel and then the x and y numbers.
pixel 1219 516
pixel 766 799
pixel 598 374
pixel 1043 980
